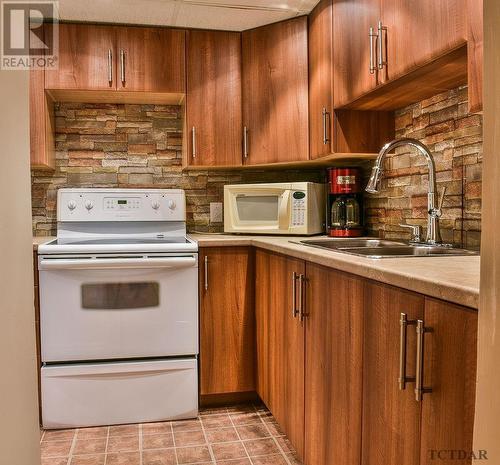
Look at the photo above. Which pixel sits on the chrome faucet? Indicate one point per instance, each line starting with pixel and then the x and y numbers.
pixel 433 206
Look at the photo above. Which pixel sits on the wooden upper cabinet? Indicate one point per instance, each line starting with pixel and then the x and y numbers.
pixel 320 79
pixel 227 320
pixel 449 369
pixel 475 54
pixel 150 59
pixel 214 98
pixel 334 353
pixel 351 51
pixel 418 32
pixel 391 417
pixel 84 60
pixel 275 92
pixel 280 342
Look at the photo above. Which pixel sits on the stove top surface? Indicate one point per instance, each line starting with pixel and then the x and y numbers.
pixel 120 241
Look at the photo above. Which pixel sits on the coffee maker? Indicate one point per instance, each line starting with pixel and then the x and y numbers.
pixel 345 202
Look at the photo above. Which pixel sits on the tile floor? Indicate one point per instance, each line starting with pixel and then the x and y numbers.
pixel 239 435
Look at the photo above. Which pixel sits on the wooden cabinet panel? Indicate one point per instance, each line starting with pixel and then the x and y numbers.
pixel 83 58
pixel 214 98
pixel 420 31
pixel 275 92
pixel 227 328
pixel 351 52
pixel 334 346
pixel 280 343
pixel 320 79
pixel 450 350
pixel 154 59
pixel 391 417
pixel 475 54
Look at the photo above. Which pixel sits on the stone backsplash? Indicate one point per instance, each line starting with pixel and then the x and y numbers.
pixel 455 138
pixel 117 145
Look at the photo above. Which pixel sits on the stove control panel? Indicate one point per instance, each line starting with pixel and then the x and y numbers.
pixel 102 204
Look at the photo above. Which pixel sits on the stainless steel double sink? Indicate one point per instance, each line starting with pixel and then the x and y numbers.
pixel 377 248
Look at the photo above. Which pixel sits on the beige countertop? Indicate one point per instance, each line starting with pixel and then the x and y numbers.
pixel 454 279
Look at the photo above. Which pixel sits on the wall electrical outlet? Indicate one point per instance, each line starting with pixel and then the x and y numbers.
pixel 216 212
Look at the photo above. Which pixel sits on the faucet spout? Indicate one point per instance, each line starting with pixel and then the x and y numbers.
pixel 433 209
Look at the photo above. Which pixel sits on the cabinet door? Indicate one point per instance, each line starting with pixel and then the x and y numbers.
pixel 334 346
pixel 449 368
pixel 280 343
pixel 214 98
pixel 420 31
pixel 151 59
pixel 85 62
pixel 351 52
pixel 391 417
pixel 275 92
pixel 320 79
pixel 227 329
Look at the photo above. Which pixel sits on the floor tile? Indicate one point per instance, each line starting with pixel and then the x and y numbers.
pixel 276 459
pixel 55 448
pixel 274 428
pixel 157 441
pixel 123 444
pixel 189 438
pixel 92 433
pixel 58 435
pixel 216 421
pixel 54 461
pixel 256 431
pixel 234 462
pixel 261 447
pixel 87 459
pixel 228 450
pixel 285 445
pixel 221 435
pixel 186 425
pixel 90 446
pixel 293 459
pixel 130 458
pixel 123 430
pixel 159 457
pixel 247 418
pixel 196 454
pixel 156 428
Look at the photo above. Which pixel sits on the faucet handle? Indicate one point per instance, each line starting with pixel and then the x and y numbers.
pixel 416 231
pixel 441 200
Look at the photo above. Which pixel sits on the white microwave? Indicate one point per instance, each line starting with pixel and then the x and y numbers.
pixel 275 208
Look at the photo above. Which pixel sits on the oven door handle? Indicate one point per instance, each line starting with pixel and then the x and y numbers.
pixel 113 263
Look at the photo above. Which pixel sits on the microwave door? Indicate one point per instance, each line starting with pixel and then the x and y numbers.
pixel 284 211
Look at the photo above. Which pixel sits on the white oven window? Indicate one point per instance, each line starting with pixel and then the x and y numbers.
pixel 258 207
pixel 119 296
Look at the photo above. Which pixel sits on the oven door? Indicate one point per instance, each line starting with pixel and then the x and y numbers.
pixel 118 307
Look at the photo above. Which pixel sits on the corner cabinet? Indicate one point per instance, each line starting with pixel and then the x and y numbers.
pixel 213 100
pixel 227 320
pixel 275 93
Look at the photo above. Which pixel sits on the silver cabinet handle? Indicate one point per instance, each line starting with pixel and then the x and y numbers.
pixel 245 142
pixel 419 371
pixel 303 314
pixel 372 34
pixel 295 312
pixel 326 124
pixel 206 273
pixel 403 325
pixel 110 67
pixel 382 60
pixel 193 141
pixel 122 66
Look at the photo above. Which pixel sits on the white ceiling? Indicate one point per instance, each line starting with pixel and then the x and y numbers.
pixel 233 15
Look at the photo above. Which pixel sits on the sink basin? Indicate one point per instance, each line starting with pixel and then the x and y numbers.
pixel 377 248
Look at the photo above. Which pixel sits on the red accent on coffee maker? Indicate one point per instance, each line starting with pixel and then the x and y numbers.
pixel 345 202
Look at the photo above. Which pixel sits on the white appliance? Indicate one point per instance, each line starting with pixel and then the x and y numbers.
pixel 118 309
pixel 275 208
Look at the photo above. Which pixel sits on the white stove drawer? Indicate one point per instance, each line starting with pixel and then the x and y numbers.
pixel 118 307
pixel 80 395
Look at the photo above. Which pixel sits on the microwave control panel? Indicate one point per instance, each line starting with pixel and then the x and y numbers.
pixel 298 208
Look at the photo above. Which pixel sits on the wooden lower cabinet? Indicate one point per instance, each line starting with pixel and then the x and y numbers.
pixel 280 342
pixel 333 367
pixel 227 320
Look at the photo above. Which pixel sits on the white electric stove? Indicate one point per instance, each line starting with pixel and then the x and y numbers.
pixel 119 309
